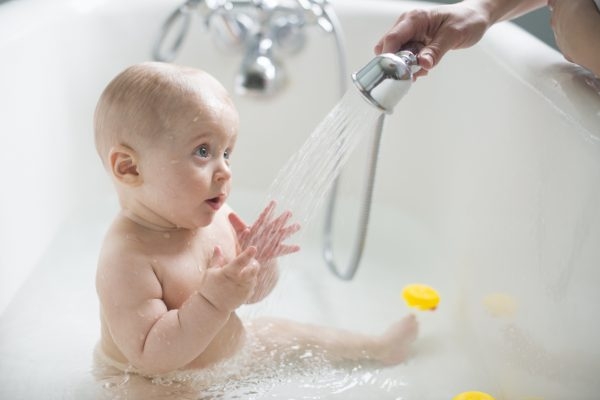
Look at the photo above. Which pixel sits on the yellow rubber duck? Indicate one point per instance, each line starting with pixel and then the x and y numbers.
pixel 473 396
pixel 421 297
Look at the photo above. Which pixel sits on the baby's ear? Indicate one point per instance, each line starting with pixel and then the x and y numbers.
pixel 124 165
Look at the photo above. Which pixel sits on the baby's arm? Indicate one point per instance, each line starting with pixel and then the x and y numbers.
pixel 154 338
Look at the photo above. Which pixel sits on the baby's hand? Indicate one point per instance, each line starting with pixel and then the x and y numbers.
pixel 268 234
pixel 229 285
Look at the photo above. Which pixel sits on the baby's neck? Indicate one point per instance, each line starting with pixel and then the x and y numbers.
pixel 151 224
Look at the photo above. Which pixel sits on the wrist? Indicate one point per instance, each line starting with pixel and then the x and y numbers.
pixel 211 300
pixel 488 10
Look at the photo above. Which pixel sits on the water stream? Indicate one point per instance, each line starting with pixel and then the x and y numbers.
pixel 303 182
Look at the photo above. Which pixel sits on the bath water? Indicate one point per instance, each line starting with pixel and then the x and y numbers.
pixel 48 334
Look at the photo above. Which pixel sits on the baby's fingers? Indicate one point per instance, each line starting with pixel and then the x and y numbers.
pixel 265 215
pixel 250 271
pixel 278 235
pixel 286 249
pixel 280 221
pixel 238 224
pixel 217 259
pixel 289 231
pixel 243 261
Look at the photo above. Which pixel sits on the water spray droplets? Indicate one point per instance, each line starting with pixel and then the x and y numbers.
pixel 306 178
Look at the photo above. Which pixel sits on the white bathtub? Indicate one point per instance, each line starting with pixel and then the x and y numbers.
pixel 488 189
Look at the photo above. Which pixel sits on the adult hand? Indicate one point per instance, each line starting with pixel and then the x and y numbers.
pixel 440 29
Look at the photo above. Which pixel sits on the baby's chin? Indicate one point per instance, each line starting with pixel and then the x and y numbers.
pixel 202 221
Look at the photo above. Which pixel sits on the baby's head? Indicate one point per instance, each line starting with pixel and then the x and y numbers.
pixel 164 133
pixel 145 103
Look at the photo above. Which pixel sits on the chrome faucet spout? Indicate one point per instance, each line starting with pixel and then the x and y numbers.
pixel 387 78
pixel 266 31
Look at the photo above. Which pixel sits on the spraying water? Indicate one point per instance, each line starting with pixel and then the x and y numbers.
pixel 311 172
pixel 307 176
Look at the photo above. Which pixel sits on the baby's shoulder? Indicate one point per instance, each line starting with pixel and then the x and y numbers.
pixel 125 268
pixel 123 245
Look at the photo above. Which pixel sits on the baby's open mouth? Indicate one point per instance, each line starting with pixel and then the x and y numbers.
pixel 216 202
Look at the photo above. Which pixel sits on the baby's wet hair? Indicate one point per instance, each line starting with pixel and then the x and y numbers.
pixel 143 102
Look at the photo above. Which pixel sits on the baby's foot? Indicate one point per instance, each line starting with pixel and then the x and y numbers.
pixel 395 342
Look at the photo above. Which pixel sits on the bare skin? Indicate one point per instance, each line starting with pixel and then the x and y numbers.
pixel 177 262
pixel 576 25
pixel 389 348
pixel 155 295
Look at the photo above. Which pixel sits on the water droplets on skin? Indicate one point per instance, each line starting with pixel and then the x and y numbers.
pixel 299 187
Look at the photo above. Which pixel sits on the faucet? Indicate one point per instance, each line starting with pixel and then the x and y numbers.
pixel 265 30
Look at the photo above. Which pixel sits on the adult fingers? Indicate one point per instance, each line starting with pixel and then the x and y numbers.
pixel 411 26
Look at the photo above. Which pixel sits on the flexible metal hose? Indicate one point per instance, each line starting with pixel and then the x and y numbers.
pixel 365 209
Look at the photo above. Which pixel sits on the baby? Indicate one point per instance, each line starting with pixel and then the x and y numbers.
pixel 177 262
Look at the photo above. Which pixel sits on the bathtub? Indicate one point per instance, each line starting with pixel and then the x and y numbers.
pixel 488 189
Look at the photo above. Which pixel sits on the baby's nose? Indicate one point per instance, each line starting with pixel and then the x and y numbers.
pixel 223 173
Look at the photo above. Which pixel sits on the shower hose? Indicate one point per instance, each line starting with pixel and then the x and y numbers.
pixel 350 270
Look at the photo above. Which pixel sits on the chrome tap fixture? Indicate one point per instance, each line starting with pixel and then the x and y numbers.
pixel 264 30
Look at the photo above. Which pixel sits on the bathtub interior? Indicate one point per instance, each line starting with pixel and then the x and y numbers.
pixel 488 183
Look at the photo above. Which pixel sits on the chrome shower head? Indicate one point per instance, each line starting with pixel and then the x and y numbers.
pixel 387 78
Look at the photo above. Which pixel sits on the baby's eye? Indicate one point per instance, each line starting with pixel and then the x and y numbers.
pixel 227 154
pixel 202 151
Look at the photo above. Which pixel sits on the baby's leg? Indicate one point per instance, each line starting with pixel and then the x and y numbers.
pixel 288 339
